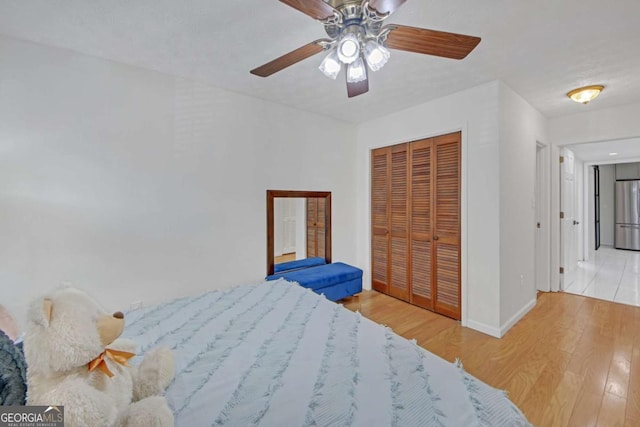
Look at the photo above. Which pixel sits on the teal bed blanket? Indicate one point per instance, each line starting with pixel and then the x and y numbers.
pixel 276 354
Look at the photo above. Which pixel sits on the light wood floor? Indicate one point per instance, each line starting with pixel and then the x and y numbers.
pixel 572 360
pixel 285 258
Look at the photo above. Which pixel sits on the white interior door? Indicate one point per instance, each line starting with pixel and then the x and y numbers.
pixel 301 228
pixel 568 220
pixel 289 224
pixel 542 279
pixel 278 226
pixel 284 222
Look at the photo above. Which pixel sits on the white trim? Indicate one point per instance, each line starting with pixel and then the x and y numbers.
pixel 555 218
pixel 545 216
pixel 516 317
pixel 499 333
pixel 485 329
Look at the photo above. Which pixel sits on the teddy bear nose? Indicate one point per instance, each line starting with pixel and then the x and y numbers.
pixel 118 315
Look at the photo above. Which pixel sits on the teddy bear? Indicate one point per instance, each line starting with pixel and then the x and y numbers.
pixel 76 359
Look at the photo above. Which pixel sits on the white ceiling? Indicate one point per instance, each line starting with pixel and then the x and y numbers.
pixel 625 150
pixel 541 48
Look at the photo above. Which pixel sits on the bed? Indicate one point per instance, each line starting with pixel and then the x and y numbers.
pixel 276 354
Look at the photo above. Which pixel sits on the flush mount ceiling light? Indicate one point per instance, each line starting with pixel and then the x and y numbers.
pixel 358 40
pixel 585 94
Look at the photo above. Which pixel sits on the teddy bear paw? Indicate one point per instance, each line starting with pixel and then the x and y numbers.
pixel 154 374
pixel 152 411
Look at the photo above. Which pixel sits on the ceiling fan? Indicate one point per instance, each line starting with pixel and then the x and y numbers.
pixel 357 38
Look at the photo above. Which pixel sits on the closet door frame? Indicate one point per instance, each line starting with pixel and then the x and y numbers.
pixel 433 239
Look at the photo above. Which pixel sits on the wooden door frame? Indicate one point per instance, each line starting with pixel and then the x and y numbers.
pixel 460 312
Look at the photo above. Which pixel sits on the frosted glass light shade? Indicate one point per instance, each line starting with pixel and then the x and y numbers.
pixel 376 55
pixel 585 94
pixel 349 48
pixel 330 65
pixel 356 72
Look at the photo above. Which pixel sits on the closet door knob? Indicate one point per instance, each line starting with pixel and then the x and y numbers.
pixel 435 237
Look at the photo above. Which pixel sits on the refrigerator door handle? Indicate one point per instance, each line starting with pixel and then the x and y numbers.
pixel 628 226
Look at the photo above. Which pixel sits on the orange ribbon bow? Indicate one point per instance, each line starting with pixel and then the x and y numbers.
pixel 117 356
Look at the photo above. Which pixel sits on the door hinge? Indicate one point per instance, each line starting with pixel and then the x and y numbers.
pixel 561 215
pixel 561 159
pixel 561 270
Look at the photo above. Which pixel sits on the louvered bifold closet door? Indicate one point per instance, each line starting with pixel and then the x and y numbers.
pixel 312 235
pixel 447 224
pixel 399 222
pixel 421 192
pixel 380 163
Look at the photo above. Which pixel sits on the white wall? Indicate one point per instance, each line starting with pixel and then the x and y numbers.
pixel 607 205
pixel 598 125
pixel 499 134
pixel 520 127
pixel 475 112
pixel 142 186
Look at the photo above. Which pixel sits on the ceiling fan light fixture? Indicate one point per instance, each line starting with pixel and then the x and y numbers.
pixel 349 48
pixel 356 71
pixel 585 94
pixel 330 65
pixel 376 55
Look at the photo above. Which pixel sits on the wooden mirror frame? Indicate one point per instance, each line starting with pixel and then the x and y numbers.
pixel 272 194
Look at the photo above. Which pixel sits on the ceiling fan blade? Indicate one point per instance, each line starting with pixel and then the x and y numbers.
pixel 385 6
pixel 317 9
pixel 430 42
pixel 355 89
pixel 290 58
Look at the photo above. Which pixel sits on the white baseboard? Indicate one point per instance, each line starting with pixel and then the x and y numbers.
pixel 499 333
pixel 516 317
pixel 485 329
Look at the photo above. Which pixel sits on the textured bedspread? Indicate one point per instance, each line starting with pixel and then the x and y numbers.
pixel 275 354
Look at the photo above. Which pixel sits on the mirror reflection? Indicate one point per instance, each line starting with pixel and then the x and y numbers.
pixel 298 229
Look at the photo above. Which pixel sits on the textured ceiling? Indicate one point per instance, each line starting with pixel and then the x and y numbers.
pixel 618 151
pixel 541 49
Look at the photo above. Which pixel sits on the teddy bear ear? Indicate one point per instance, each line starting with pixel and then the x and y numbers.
pixel 47 310
pixel 41 312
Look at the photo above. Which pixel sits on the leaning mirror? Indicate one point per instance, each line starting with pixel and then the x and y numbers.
pixel 298 228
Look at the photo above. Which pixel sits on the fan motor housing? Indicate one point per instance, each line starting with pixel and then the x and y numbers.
pixel 352 14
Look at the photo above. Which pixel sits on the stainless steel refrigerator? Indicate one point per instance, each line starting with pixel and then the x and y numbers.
pixel 628 215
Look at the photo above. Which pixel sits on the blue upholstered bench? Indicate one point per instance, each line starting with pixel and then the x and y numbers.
pixel 298 264
pixel 335 281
